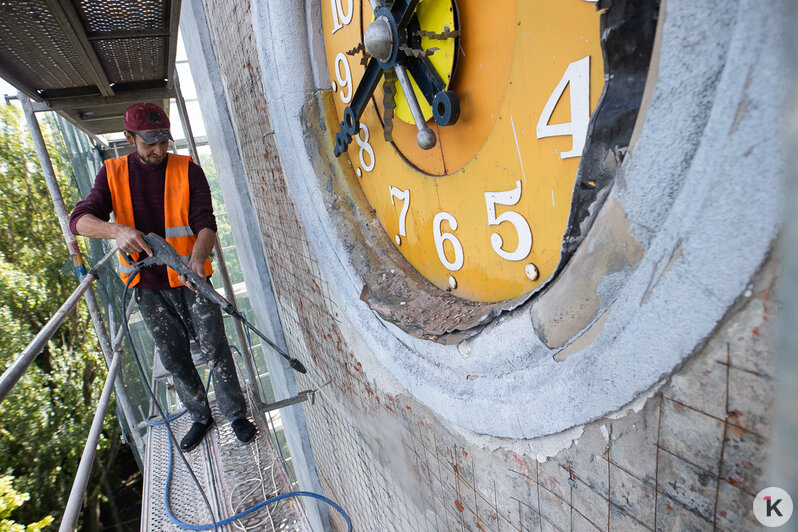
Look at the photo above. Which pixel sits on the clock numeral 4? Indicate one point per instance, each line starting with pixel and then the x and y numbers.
pixel 508 197
pixel 577 76
pixel 440 238
pixel 403 195
pixel 339 19
pixel 345 79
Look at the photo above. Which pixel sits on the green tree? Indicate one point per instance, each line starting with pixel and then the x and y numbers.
pixel 10 500
pixel 45 419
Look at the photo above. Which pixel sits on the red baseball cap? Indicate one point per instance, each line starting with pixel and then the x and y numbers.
pixel 148 121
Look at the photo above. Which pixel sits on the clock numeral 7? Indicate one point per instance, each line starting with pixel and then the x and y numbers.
pixel 403 195
pixel 508 197
pixel 577 76
pixel 339 19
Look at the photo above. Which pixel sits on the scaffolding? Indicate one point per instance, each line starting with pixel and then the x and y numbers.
pixel 86 64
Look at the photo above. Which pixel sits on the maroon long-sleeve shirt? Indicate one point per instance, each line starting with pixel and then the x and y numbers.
pixel 147 193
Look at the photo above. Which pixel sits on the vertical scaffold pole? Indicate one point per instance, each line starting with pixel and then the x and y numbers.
pixel 63 220
pixel 252 375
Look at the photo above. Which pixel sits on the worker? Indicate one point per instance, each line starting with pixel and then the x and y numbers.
pixel 153 191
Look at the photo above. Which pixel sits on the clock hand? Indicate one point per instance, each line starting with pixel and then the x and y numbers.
pixel 425 137
pixel 353 111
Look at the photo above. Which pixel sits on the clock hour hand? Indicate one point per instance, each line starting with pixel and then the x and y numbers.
pixel 351 123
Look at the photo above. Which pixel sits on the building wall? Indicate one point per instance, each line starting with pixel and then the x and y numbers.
pixel 688 454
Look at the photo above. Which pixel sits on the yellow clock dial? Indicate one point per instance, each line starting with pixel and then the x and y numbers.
pixel 482 213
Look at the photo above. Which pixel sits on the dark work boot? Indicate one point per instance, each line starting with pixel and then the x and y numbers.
pixel 244 430
pixel 195 434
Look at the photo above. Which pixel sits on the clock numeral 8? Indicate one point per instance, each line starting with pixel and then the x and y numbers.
pixel 365 147
pixel 338 14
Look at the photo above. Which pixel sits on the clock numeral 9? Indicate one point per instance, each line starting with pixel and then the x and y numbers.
pixel 440 238
pixel 577 76
pixel 403 195
pixel 339 19
pixel 343 82
pixel 508 197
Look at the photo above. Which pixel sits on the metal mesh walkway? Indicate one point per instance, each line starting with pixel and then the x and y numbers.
pixel 234 476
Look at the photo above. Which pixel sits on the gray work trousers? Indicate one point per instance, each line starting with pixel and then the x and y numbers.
pixel 173 317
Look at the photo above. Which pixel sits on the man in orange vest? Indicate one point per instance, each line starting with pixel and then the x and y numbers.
pixel 151 190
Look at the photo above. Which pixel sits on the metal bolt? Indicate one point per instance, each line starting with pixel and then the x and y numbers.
pixel 334 86
pixel 531 271
pixel 452 282
pixel 378 39
pixel 359 172
pixel 398 240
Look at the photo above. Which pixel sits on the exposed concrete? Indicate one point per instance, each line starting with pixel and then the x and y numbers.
pixel 249 246
pixel 686 193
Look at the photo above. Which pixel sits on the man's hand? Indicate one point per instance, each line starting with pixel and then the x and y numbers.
pixel 128 239
pixel 131 240
pixel 198 267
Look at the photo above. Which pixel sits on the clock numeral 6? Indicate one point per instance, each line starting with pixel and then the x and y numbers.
pixel 440 238
pixel 577 76
pixel 339 19
pixel 508 197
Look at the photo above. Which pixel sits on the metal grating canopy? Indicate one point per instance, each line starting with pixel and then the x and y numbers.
pixel 89 59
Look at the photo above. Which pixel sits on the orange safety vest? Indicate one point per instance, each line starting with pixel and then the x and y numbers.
pixel 175 207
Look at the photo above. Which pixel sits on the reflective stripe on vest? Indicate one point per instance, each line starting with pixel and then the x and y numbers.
pixel 176 206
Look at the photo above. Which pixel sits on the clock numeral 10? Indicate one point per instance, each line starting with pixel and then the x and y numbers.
pixel 577 76
pixel 339 19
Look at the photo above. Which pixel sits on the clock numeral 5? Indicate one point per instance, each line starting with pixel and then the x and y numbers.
pixel 508 197
pixel 577 76
pixel 339 19
pixel 440 238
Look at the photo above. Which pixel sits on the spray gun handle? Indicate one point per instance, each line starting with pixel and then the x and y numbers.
pixel 164 253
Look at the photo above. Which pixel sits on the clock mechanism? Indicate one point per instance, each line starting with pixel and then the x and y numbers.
pixel 393 40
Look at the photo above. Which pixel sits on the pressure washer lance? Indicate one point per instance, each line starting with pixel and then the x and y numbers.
pixel 164 253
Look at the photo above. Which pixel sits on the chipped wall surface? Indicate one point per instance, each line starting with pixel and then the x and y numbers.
pixel 654 421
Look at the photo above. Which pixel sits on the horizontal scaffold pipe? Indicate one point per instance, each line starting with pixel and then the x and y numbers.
pixel 20 365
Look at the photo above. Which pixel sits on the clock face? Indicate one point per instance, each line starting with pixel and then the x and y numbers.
pixel 483 212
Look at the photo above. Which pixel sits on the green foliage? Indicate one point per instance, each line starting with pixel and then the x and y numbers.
pixel 10 500
pixel 45 419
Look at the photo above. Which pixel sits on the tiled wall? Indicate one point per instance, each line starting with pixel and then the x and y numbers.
pixel 690 458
